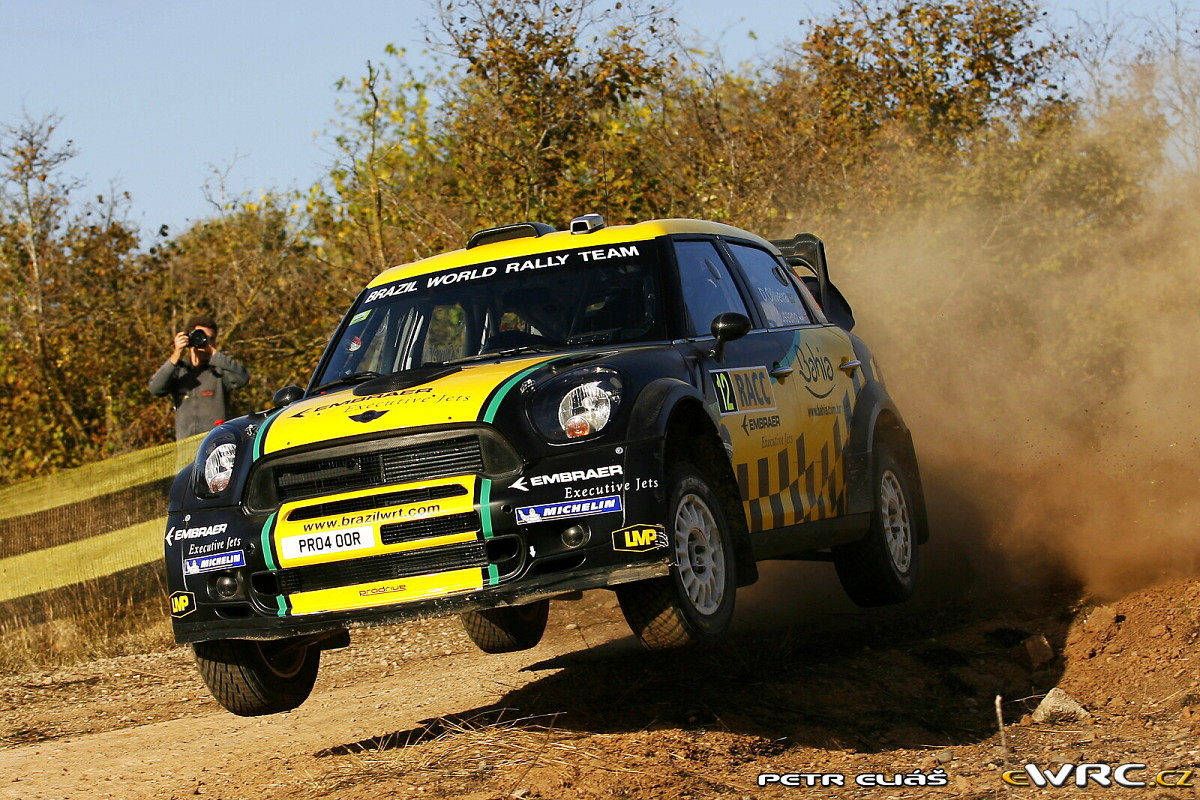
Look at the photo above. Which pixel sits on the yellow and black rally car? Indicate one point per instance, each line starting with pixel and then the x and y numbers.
pixel 649 408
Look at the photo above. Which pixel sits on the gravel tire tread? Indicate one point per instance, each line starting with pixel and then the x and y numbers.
pixel 656 610
pixel 241 679
pixel 507 629
pixel 652 615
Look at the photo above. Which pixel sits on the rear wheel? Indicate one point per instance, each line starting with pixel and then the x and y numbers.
pixel 694 603
pixel 253 678
pixel 508 629
pixel 881 569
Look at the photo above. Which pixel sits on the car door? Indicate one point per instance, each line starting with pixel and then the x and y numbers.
pixel 755 427
pixel 816 380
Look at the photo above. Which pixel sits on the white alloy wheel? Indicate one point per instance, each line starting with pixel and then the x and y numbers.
pixel 699 554
pixel 897 525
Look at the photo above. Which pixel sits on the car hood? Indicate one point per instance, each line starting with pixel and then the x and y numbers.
pixel 470 393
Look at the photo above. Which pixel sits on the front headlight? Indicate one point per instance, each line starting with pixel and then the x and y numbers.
pixel 215 461
pixel 584 410
pixel 576 405
pixel 218 467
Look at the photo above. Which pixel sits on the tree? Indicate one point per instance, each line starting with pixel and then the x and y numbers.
pixel 55 260
pixel 938 70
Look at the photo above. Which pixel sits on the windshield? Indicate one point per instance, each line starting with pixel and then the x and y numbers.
pixel 551 301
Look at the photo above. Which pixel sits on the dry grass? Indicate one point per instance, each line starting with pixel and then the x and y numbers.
pixel 453 754
pixel 68 638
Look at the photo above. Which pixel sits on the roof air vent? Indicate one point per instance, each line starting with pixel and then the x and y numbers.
pixel 587 223
pixel 505 232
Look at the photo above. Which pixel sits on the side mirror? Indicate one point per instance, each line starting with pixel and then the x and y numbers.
pixel 727 327
pixel 286 396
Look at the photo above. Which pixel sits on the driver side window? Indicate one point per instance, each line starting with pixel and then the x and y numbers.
pixel 776 295
pixel 708 288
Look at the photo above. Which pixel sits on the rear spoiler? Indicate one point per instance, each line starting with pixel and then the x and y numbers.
pixel 806 252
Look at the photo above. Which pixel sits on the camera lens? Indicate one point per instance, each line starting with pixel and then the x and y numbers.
pixel 197 338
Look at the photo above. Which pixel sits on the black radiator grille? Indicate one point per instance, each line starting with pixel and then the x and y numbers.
pixel 397 532
pixel 393 566
pixel 414 462
pixel 357 504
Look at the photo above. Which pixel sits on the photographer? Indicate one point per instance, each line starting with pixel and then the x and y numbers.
pixel 198 378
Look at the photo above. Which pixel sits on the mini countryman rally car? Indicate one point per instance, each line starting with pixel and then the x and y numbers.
pixel 650 408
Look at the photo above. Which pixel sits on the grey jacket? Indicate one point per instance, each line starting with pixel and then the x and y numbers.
pixel 200 394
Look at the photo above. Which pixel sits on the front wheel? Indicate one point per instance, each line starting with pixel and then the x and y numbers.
pixel 881 569
pixel 507 629
pixel 694 603
pixel 253 678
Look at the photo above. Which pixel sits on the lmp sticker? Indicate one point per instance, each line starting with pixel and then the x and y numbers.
pixel 583 508
pixel 640 538
pixel 182 604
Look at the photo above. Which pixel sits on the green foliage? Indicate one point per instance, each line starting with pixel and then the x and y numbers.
pixel 941 71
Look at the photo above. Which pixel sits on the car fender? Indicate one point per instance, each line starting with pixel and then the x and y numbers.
pixel 872 404
pixel 655 403
pixel 660 402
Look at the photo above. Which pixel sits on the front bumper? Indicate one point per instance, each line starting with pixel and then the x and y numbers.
pixel 510 594
pixel 322 563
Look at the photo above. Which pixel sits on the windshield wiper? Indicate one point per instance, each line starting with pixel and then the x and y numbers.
pixel 510 351
pixel 347 380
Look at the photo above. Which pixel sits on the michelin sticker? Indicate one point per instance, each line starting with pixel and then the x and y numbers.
pixel 194 566
pixel 583 508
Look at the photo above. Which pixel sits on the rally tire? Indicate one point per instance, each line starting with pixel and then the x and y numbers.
pixel 507 629
pixel 253 678
pixel 881 568
pixel 694 603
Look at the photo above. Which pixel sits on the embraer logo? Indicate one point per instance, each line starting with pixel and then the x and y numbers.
pixel 367 416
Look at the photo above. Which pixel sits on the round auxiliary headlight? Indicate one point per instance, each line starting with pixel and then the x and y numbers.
pixel 584 410
pixel 218 467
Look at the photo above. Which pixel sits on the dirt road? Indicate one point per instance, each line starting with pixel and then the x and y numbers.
pixel 415 711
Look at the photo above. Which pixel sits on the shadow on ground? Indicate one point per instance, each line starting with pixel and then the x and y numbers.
pixel 866 681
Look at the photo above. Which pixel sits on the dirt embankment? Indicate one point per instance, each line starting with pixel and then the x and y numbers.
pixel 414 711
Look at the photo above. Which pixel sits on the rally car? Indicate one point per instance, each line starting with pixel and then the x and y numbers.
pixel 648 408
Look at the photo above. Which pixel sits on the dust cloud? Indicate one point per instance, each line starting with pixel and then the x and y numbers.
pixel 1046 361
pixel 1053 409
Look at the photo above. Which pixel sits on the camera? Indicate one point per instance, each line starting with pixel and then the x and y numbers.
pixel 197 338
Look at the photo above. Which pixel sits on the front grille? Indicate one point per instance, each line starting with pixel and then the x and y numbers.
pixel 357 504
pixel 397 532
pixel 393 566
pixel 415 462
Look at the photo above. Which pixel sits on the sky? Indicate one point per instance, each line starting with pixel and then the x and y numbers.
pixel 161 97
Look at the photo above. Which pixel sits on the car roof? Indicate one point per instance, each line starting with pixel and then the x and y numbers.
pixel 562 240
